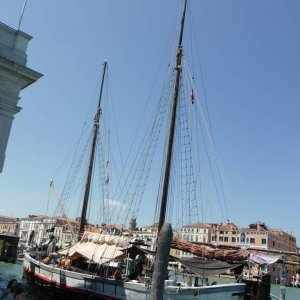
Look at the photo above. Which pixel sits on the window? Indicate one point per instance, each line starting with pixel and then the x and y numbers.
pixel 226 239
pixel 221 232
pixel 233 232
pixel 273 243
pixel 243 237
pixel 252 241
pixel 247 240
pixel 233 239
pixel 221 239
pixel 264 241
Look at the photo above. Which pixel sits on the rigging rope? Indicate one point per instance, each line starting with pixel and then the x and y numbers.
pixel 206 106
pixel 212 144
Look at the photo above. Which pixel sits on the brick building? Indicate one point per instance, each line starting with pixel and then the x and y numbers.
pixel 258 235
pixel 225 234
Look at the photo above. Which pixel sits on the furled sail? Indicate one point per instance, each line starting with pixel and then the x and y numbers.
pixel 210 252
pixel 99 248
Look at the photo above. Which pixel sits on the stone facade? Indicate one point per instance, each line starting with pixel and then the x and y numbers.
pixel 9 225
pixel 39 228
pixel 14 76
pixel 256 236
pixel 197 232
pixel 225 234
pixel 149 235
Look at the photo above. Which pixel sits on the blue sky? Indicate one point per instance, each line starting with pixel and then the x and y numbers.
pixel 249 51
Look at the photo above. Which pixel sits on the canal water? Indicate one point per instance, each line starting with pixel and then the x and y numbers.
pixel 14 271
pixel 9 271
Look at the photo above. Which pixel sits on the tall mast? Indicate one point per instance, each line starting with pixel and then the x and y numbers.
pixel 91 160
pixel 165 190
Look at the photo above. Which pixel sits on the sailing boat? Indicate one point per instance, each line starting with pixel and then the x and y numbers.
pixel 96 255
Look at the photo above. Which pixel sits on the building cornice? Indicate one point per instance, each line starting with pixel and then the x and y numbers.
pixel 28 75
pixel 14 31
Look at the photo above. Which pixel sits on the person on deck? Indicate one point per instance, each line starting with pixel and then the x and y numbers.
pixel 138 268
pixel 118 274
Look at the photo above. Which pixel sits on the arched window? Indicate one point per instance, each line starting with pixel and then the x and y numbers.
pixel 243 237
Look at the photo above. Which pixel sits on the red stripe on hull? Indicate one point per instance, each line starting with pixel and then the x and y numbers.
pixel 69 288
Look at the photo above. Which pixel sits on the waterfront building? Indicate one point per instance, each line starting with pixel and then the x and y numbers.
pixel 196 232
pixel 148 234
pixel 66 237
pixel 177 234
pixel 150 228
pixel 14 77
pixel 38 229
pixel 255 236
pixel 9 225
pixel 225 234
pixel 259 235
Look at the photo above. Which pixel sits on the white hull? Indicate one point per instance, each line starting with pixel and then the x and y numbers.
pixel 106 288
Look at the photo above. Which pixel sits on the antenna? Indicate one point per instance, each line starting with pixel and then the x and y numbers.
pixel 22 13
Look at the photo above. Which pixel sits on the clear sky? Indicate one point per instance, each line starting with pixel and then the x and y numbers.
pixel 249 51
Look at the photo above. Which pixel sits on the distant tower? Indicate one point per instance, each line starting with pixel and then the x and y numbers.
pixel 14 76
pixel 132 224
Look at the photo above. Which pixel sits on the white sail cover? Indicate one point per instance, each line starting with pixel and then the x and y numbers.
pixel 263 259
pixel 97 247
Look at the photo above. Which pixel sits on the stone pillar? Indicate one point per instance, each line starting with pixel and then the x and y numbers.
pixel 14 76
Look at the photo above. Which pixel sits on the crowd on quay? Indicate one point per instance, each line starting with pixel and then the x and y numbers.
pixel 13 291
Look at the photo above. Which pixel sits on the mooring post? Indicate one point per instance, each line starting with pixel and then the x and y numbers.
pixel 161 262
pixel 282 279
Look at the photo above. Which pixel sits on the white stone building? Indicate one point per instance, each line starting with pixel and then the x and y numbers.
pixel 14 76
pixel 197 232
pixel 39 229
